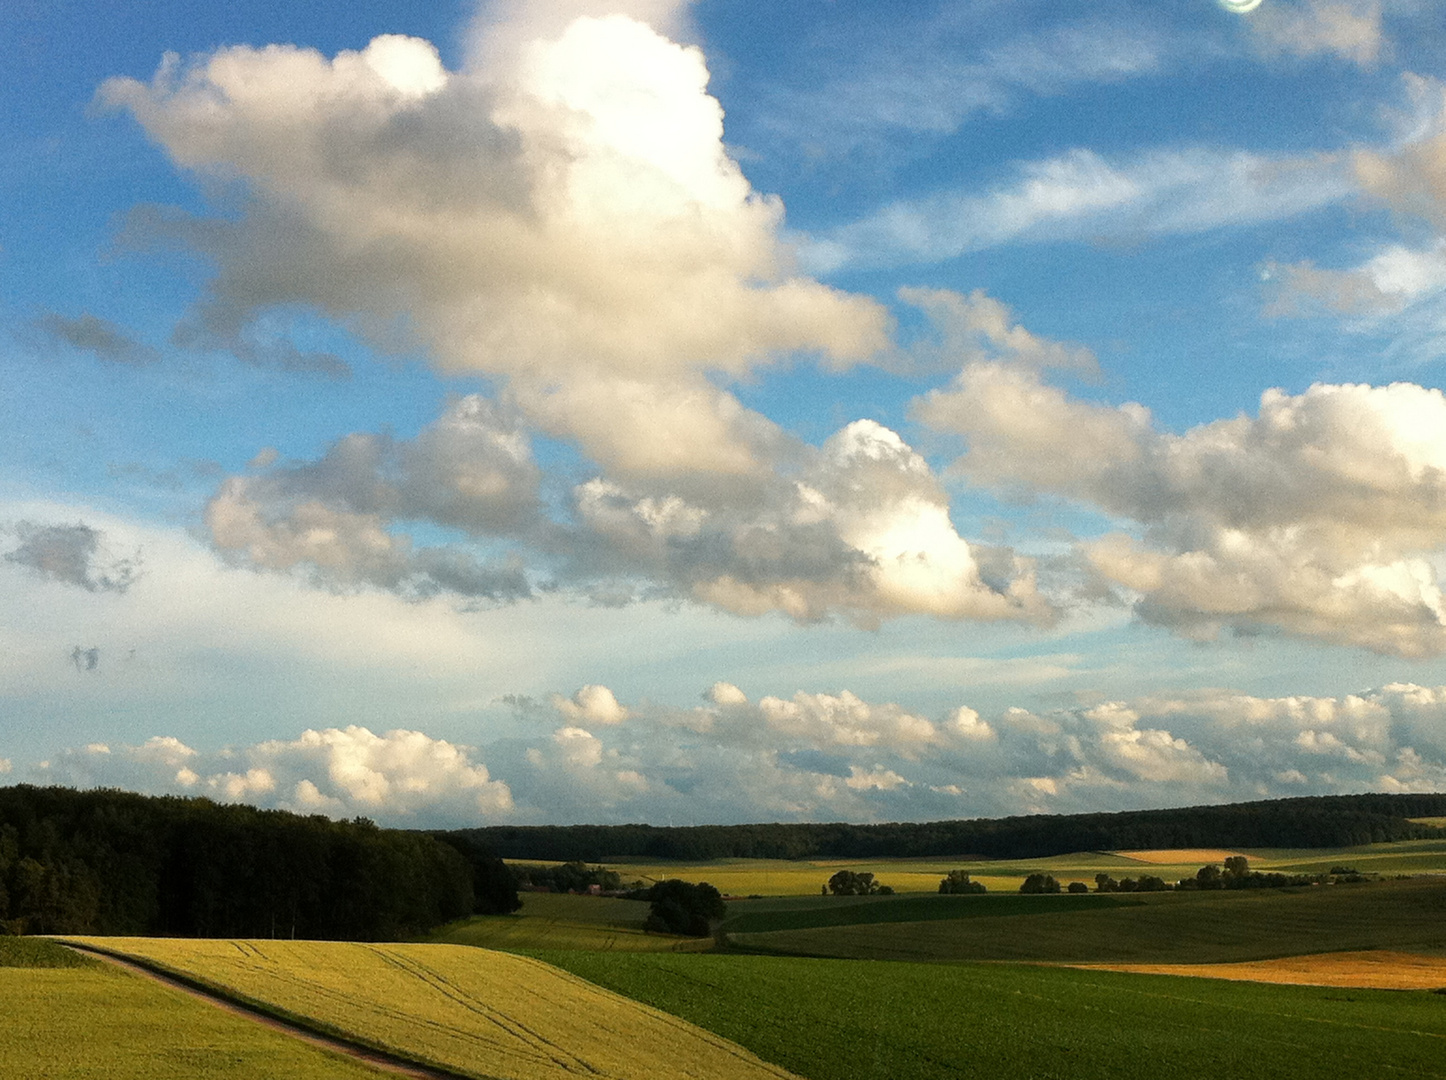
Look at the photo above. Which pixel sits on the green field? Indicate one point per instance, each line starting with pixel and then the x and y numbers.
pixel 555 921
pixel 482 1013
pixel 805 913
pixel 867 1020
pixel 65 1017
pixel 1181 928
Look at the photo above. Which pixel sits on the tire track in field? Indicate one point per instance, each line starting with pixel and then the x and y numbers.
pixel 527 1043
pixel 377 1059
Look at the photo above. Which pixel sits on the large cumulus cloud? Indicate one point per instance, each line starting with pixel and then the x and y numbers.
pixel 565 215
pixel 1324 515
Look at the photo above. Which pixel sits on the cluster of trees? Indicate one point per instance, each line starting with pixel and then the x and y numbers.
pixel 848 883
pixel 575 876
pixel 1236 874
pixel 1144 883
pixel 1313 822
pixel 682 907
pixel 956 882
pixel 111 862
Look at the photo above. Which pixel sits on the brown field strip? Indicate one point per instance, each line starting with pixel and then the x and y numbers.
pixel 1174 856
pixel 1378 969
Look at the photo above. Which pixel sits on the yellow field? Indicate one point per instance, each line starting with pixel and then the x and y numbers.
pixel 1438 822
pixel 1177 856
pixel 1377 969
pixel 483 1013
pixel 780 877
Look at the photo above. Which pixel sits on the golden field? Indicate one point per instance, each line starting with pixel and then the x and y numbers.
pixel 482 1013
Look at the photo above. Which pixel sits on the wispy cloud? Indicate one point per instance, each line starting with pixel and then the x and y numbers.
pixel 1082 196
pixel 929 75
pixel 99 337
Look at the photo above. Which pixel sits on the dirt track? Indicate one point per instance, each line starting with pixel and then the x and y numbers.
pixel 377 1059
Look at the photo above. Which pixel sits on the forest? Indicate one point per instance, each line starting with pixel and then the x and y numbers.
pixel 112 862
pixel 1314 822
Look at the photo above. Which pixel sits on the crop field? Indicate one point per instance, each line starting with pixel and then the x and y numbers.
pixel 555 921
pixel 1176 856
pixel 67 1017
pixel 778 877
pixel 1380 970
pixel 1173 928
pixel 865 1020
pixel 483 1013
pixel 805 913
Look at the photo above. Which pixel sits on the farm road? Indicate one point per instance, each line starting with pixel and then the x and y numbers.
pixel 384 1062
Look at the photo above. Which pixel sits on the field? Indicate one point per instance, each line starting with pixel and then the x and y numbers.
pixel 828 988
pixel 548 920
pixel 869 1020
pixel 1380 970
pixel 65 1017
pixel 778 877
pixel 1173 928
pixel 482 1013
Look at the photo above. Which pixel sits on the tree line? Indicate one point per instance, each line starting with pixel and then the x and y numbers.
pixel 1307 822
pixel 113 862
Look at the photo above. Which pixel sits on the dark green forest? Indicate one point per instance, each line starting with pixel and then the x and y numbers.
pixel 1316 822
pixel 112 862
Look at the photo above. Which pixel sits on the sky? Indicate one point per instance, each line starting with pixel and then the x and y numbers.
pixel 588 411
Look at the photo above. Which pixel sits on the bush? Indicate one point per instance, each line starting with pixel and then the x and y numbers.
pixel 1039 883
pixel 1077 887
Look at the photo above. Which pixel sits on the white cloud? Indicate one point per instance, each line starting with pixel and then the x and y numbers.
pixel 929 74
pixel 826 720
pixel 591 705
pixel 1351 29
pixel 863 531
pixel 822 756
pixel 579 748
pixel 564 217
pixel 1320 516
pixel 1082 196
pixel 723 693
pixel 400 775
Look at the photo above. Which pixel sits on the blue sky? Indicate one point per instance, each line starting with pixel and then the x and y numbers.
pixel 549 412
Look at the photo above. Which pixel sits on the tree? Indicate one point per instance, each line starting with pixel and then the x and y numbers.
pixel 957 883
pixel 1105 883
pixel 1039 883
pixel 1209 877
pixel 681 907
pixel 1078 887
pixel 848 883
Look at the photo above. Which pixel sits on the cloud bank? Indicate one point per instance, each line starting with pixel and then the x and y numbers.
pixel 816 756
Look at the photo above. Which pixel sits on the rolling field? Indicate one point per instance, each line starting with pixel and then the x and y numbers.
pixel 556 921
pixel 1173 928
pixel 486 1014
pixel 67 1017
pixel 865 1020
